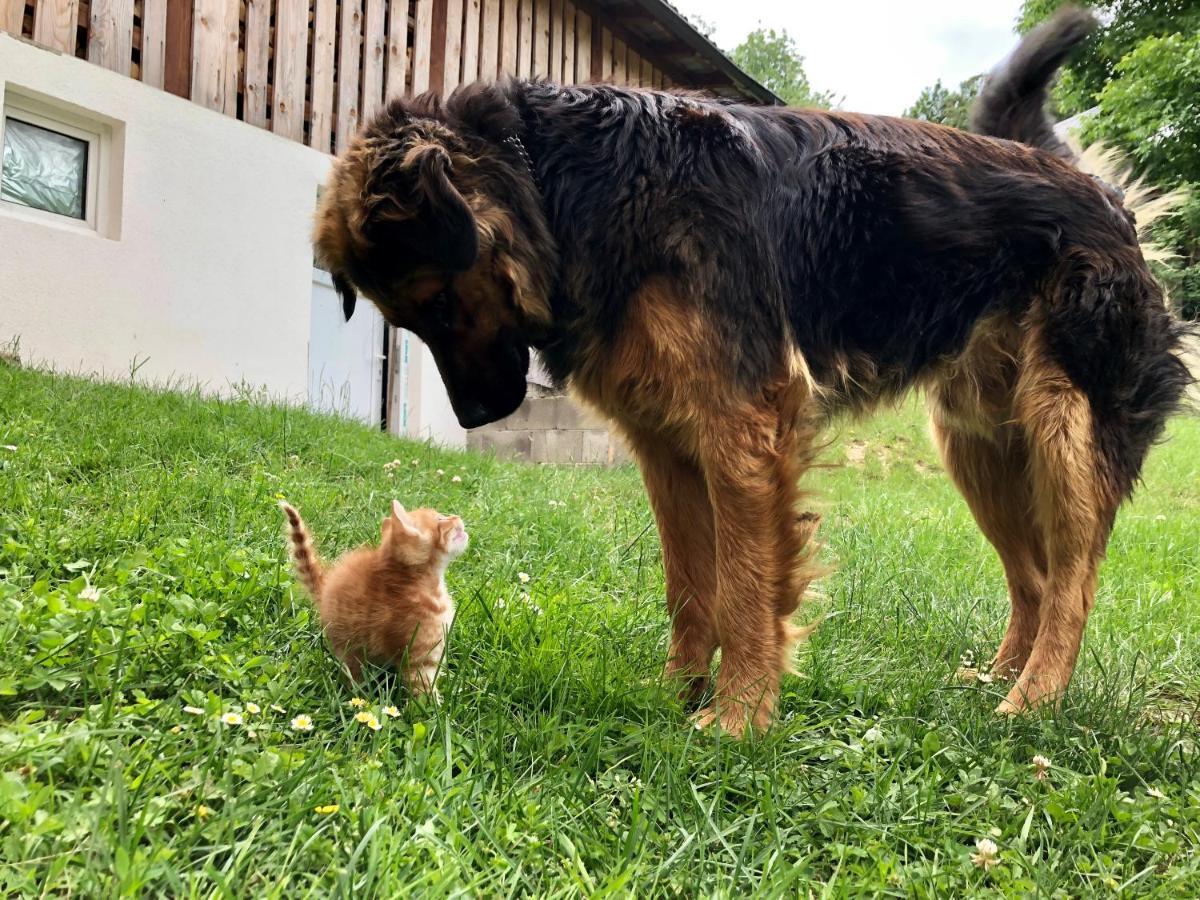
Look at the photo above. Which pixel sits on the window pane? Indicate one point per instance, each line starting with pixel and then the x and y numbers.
pixel 43 169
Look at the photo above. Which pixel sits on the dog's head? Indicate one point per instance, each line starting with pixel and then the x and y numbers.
pixel 443 232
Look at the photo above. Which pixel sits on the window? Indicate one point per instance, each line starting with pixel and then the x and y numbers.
pixel 53 163
pixel 44 169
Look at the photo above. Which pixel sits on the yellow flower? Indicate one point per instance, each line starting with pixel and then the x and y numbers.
pixel 253 709
pixel 327 810
pixel 193 710
pixel 391 712
pixel 177 729
pixel 302 723
pixel 988 855
pixel 203 812
pixel 358 702
pixel 232 718
pixel 368 719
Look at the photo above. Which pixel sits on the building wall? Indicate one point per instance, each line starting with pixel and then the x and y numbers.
pixel 208 273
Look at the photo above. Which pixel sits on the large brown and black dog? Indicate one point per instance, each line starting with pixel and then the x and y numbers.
pixel 720 280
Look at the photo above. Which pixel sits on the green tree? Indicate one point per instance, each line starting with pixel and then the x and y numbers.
pixel 772 58
pixel 944 106
pixel 1141 75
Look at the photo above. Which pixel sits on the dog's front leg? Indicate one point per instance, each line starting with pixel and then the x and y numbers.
pixel 679 496
pixel 751 466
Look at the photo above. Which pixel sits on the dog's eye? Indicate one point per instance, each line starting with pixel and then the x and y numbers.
pixel 440 310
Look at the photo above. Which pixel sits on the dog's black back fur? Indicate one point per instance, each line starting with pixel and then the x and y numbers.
pixel 856 237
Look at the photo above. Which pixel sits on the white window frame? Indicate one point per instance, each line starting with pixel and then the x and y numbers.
pixel 99 140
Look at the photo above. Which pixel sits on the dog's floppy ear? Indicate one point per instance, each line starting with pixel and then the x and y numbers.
pixel 349 296
pixel 416 204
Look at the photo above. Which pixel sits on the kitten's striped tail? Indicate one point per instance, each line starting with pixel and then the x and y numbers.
pixel 308 566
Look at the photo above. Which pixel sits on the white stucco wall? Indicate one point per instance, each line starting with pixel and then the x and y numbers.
pixel 209 278
pixel 203 272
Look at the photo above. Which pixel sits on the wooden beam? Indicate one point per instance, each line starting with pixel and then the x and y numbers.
pixel 554 66
pixel 397 51
pixel 255 102
pixel 422 55
pixel 374 56
pixel 541 38
pixel 489 40
pixel 291 64
pixel 470 41
pixel 55 23
pixel 320 132
pixel 349 57
pixel 12 16
pixel 509 36
pixel 568 43
pixel 437 53
pixel 178 75
pixel 154 42
pixel 525 44
pixel 110 34
pixel 452 65
pixel 215 55
pixel 584 48
pixel 605 67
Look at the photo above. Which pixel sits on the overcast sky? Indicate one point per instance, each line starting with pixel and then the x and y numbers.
pixel 878 54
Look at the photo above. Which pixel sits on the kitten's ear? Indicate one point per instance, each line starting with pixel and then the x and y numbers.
pixel 400 519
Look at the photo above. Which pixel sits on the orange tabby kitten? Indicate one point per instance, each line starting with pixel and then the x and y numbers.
pixel 386 604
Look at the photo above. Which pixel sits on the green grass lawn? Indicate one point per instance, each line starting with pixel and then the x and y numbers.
pixel 143 573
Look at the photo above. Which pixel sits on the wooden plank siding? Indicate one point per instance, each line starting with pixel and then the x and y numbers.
pixel 110 32
pixel 568 43
pixel 348 69
pixel 314 70
pixel 470 44
pixel 374 57
pixel 12 16
pixel 489 39
pixel 606 56
pixel 422 55
pixel 56 23
pixel 397 50
pixel 291 60
pixel 324 53
pixel 257 61
pixel 510 15
pixel 541 38
pixel 214 54
pixel 583 47
pixel 154 42
pixel 554 60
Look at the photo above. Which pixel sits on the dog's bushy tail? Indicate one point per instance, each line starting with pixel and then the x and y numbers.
pixel 1012 102
pixel 308 565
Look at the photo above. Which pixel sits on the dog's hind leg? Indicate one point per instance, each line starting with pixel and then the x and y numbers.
pixel 990 467
pixel 679 498
pixel 1074 505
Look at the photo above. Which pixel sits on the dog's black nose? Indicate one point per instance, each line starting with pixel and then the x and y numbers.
pixel 475 415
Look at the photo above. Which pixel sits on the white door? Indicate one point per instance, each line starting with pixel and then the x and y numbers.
pixel 345 359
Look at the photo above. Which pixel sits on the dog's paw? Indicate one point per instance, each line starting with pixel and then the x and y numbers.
pixel 731 720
